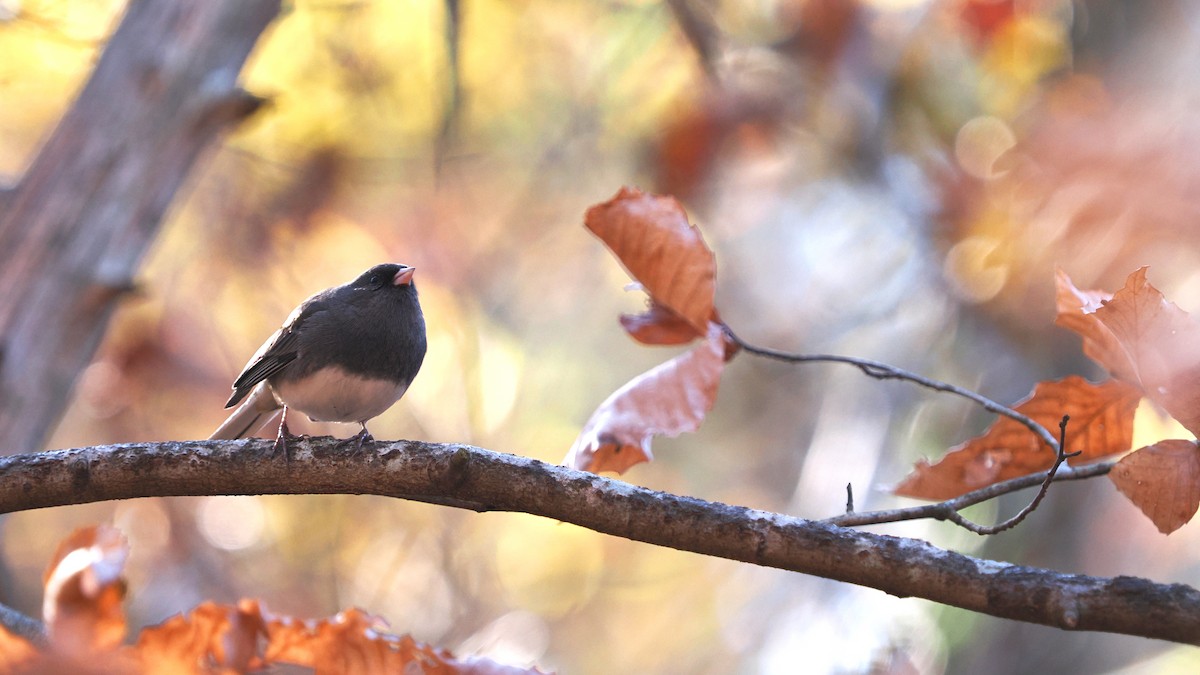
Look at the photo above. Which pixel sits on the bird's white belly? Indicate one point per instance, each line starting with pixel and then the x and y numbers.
pixel 334 395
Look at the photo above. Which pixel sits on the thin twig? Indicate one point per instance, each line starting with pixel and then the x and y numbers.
pixel 1062 456
pixel 701 34
pixel 938 510
pixel 949 509
pixel 883 371
pixel 21 625
pixel 849 499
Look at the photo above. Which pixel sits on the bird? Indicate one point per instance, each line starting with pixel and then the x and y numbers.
pixel 346 354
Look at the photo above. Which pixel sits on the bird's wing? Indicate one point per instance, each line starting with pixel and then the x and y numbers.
pixel 275 355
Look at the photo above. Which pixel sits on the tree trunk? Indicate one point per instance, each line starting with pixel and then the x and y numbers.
pixel 75 227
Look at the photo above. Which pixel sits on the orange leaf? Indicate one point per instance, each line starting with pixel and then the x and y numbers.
pixel 17 655
pixel 658 326
pixel 84 590
pixel 1162 342
pixel 354 642
pixel 1163 480
pixel 1101 425
pixel 351 642
pixel 668 400
pixel 651 237
pixel 217 634
pixel 1076 312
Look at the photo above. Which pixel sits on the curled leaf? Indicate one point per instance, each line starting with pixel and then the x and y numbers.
pixel 84 588
pixel 1163 344
pixel 222 635
pixel 1101 425
pixel 658 326
pixel 668 400
pixel 356 642
pixel 1076 311
pixel 249 637
pixel 652 238
pixel 1163 480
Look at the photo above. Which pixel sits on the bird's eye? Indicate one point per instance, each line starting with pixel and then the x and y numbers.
pixel 374 280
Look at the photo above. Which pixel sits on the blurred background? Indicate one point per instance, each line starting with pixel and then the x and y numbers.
pixel 891 179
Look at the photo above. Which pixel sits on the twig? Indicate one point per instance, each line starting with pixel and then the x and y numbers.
pixel 849 499
pixel 701 34
pixel 942 510
pixel 960 520
pixel 21 625
pixel 938 510
pixel 883 371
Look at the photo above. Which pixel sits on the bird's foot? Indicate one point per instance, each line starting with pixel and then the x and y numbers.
pixel 355 443
pixel 282 438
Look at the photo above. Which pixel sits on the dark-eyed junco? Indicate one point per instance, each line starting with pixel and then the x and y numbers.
pixel 345 354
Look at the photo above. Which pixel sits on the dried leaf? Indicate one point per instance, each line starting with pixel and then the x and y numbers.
pixel 354 642
pixel 214 634
pixel 83 592
pixel 1101 425
pixel 651 237
pixel 1163 480
pixel 1163 344
pixel 668 400
pixel 16 653
pixel 1076 312
pixel 351 642
pixel 658 326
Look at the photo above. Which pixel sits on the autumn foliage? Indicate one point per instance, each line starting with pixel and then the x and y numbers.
pixel 666 255
pixel 1149 346
pixel 85 629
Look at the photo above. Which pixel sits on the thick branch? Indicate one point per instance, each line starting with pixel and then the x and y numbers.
pixel 482 480
pixel 78 222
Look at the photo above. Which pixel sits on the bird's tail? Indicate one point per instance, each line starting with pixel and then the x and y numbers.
pixel 253 414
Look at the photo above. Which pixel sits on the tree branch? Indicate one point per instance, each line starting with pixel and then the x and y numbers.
pixel 482 480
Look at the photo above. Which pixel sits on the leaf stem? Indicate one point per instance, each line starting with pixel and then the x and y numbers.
pixel 883 371
pixel 950 508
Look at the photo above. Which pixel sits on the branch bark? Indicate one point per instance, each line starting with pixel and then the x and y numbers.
pixel 482 480
pixel 76 225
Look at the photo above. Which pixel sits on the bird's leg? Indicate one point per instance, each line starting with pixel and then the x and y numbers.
pixel 281 438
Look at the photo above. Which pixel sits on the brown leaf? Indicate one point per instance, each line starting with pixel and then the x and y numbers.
pixel 217 634
pixel 1163 344
pixel 83 592
pixel 668 400
pixel 658 326
pixel 1076 311
pixel 354 642
pixel 651 237
pixel 1163 480
pixel 1101 425
pixel 351 642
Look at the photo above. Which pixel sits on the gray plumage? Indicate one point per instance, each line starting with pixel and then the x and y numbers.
pixel 345 354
